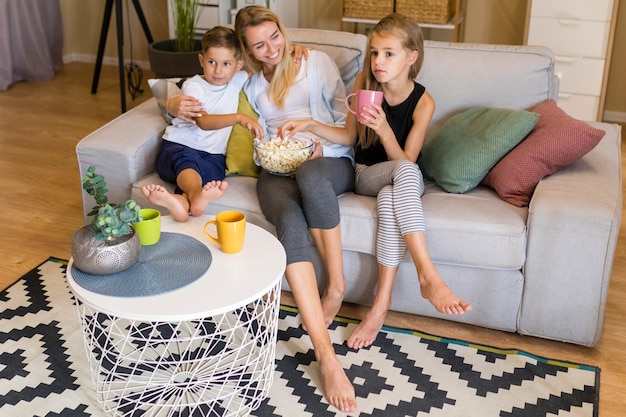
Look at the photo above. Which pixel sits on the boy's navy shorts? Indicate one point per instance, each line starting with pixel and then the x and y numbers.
pixel 174 158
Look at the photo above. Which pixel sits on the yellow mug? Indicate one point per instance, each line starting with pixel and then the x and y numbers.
pixel 231 229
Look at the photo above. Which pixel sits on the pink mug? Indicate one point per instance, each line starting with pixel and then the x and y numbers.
pixel 364 98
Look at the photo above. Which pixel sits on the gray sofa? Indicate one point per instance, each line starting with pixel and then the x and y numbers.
pixel 541 270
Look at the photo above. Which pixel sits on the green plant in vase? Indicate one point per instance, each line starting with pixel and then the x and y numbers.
pixel 109 244
pixel 110 220
pixel 185 15
pixel 178 56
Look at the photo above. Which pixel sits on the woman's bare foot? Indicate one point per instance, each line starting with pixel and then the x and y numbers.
pixel 331 303
pixel 442 298
pixel 365 333
pixel 212 190
pixel 338 390
pixel 176 204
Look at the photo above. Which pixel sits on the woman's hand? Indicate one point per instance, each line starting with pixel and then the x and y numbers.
pixel 291 127
pixel 318 151
pixel 298 52
pixel 185 108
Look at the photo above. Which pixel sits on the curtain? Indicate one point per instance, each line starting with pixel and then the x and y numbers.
pixel 31 40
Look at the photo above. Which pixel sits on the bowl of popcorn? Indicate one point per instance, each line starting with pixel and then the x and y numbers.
pixel 282 156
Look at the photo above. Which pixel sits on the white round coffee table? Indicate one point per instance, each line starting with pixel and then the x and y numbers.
pixel 206 348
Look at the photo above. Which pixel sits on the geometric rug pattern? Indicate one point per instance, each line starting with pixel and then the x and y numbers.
pixel 44 370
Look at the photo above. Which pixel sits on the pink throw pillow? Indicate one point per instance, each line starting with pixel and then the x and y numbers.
pixel 556 141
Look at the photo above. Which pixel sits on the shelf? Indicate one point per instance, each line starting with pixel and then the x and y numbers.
pixel 456 24
pixel 447 26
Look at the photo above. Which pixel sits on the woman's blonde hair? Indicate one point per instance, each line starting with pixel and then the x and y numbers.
pixel 285 72
pixel 411 38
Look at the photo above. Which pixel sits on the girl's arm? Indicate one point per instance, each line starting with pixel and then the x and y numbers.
pixel 346 135
pixel 335 134
pixel 422 116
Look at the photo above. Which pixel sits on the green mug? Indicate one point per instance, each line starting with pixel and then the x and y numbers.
pixel 149 228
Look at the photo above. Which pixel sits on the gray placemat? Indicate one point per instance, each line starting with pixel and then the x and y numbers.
pixel 175 261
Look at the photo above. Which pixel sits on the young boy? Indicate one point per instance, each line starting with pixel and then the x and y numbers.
pixel 193 154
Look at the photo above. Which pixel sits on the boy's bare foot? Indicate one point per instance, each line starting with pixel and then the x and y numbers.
pixel 365 333
pixel 331 303
pixel 442 298
pixel 212 190
pixel 338 390
pixel 176 204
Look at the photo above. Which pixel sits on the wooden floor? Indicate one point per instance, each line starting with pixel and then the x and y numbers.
pixel 41 124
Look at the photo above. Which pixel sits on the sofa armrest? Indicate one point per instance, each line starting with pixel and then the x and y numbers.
pixel 573 223
pixel 123 150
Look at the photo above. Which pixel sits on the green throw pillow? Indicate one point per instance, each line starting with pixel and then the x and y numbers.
pixel 469 144
pixel 239 151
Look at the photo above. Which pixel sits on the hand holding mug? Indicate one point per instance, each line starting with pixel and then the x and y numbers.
pixel 364 98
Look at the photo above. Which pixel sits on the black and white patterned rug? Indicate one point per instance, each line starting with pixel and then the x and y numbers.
pixel 44 371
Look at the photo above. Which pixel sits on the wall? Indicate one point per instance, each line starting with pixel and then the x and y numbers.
pixel 82 24
pixel 488 21
pixel 615 103
pixel 493 21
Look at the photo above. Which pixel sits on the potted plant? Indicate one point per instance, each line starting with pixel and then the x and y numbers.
pixel 178 57
pixel 109 244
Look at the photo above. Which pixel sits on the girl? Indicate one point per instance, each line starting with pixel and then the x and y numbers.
pixel 389 142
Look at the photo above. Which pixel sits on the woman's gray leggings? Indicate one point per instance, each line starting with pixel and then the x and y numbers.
pixel 399 186
pixel 293 205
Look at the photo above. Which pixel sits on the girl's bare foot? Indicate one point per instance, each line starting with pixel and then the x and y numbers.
pixel 442 298
pixel 338 390
pixel 365 333
pixel 212 190
pixel 176 204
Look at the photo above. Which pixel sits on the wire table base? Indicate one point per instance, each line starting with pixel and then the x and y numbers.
pixel 216 366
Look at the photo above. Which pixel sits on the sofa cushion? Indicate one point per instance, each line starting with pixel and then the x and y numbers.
pixel 460 76
pixel 556 141
pixel 162 89
pixel 345 48
pixel 239 150
pixel 470 143
pixel 241 196
pixel 476 229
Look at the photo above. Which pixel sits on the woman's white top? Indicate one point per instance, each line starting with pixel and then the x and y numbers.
pixel 318 93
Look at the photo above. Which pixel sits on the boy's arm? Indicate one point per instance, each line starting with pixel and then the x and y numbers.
pixel 220 121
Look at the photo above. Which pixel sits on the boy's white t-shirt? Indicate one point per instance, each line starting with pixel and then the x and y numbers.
pixel 216 100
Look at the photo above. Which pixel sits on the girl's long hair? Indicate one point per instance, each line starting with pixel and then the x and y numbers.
pixel 411 38
pixel 285 72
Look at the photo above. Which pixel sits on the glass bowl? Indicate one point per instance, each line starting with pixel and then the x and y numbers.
pixel 282 156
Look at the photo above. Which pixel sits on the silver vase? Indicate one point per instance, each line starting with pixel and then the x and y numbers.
pixel 101 257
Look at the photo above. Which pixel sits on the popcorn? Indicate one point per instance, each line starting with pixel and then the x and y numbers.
pixel 282 156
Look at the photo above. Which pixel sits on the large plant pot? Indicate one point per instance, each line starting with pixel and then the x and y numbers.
pixel 165 62
pixel 101 257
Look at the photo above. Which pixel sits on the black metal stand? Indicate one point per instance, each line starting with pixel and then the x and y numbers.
pixel 108 9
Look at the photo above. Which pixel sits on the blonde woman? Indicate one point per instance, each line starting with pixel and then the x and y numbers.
pixel 306 204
